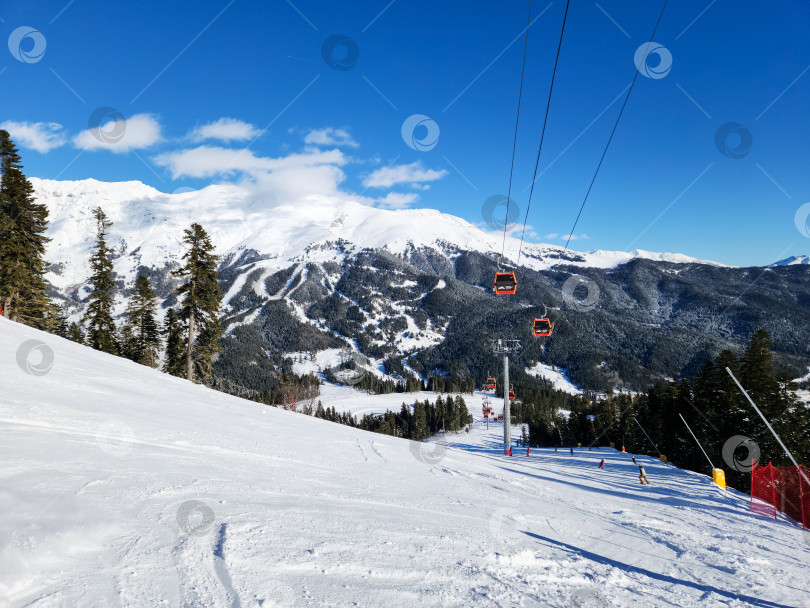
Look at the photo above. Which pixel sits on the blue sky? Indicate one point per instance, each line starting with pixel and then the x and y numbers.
pixel 198 87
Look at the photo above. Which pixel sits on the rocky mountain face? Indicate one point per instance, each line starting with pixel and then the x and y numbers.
pixel 412 289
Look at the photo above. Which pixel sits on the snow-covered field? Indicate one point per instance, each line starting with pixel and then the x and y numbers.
pixel 121 486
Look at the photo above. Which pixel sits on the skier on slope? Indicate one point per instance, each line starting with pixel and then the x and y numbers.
pixel 602 464
pixel 642 476
pixel 634 460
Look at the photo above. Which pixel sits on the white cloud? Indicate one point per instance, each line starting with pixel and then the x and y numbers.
pixel 397 200
pixel 313 173
pixel 413 173
pixel 574 237
pixel 224 129
pixel 330 137
pixel 40 136
pixel 209 161
pixel 120 136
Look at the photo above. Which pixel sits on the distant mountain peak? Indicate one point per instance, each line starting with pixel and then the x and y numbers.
pixel 793 260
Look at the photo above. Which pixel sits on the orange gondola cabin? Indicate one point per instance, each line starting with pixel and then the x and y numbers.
pixel 490 384
pixel 542 327
pixel 505 283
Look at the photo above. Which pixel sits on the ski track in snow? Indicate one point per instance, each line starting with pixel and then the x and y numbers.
pixel 104 460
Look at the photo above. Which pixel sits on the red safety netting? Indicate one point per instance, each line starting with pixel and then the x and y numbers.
pixel 785 489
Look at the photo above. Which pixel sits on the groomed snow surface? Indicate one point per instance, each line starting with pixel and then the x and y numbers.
pixel 124 487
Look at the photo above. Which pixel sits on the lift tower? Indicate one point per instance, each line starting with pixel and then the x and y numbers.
pixel 505 347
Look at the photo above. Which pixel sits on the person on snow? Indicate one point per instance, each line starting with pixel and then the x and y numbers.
pixel 642 476
pixel 572 451
pixel 634 460
pixel 602 464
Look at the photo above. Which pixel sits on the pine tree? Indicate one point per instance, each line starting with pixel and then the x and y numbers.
pixel 101 329
pixel 22 244
pixel 175 356
pixel 420 428
pixel 143 336
pixel 75 333
pixel 201 304
pixel 60 324
pixel 125 339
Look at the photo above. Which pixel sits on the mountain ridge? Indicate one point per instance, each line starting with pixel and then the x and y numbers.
pixel 412 289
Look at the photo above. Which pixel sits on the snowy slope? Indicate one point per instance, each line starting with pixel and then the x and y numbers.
pixel 558 378
pixel 125 487
pixel 148 224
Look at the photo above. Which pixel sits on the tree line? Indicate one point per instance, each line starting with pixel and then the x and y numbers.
pixel 711 404
pixel 191 332
pixel 420 422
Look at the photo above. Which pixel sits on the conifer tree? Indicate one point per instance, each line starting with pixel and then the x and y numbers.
pixel 201 305
pixel 75 333
pixel 757 375
pixel 420 429
pixel 142 341
pixel 22 244
pixel 60 321
pixel 101 329
pixel 175 359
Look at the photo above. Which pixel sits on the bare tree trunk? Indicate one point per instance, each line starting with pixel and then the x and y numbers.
pixel 189 359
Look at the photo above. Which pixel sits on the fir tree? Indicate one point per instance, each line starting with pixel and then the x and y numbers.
pixel 98 318
pixel 201 304
pixel 175 359
pixel 22 244
pixel 420 429
pixel 142 342
pixel 75 333
pixel 60 325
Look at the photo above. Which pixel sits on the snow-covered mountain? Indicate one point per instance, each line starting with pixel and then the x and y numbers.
pixel 793 261
pixel 124 487
pixel 148 227
pixel 412 289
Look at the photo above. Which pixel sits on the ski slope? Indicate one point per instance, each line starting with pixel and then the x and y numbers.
pixel 123 487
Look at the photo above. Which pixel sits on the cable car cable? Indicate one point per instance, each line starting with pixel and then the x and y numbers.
pixel 514 143
pixel 615 125
pixel 543 131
